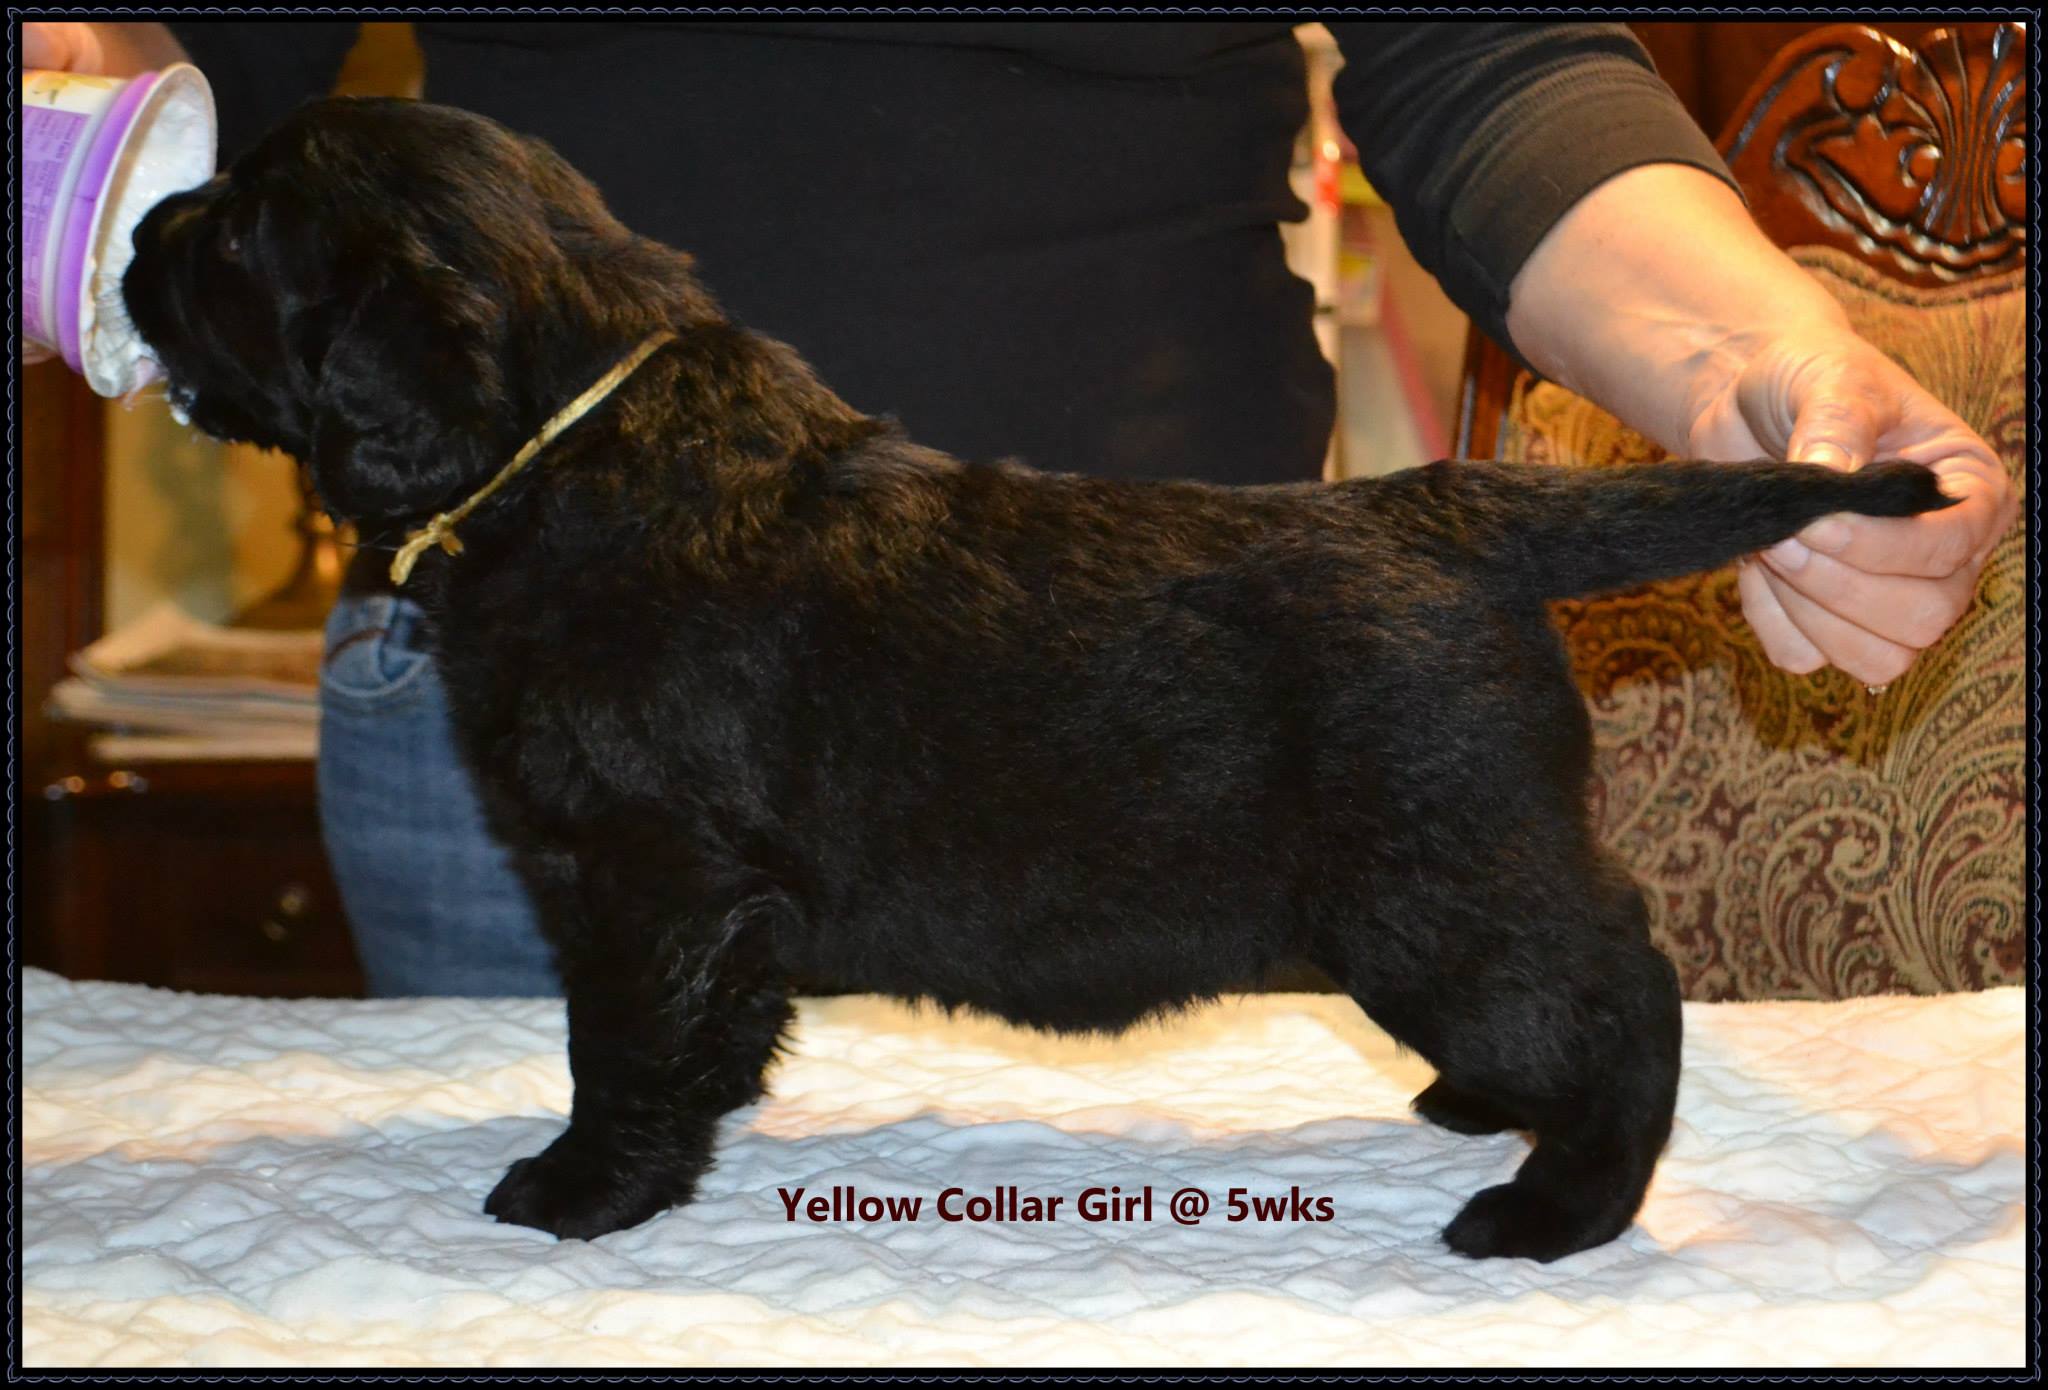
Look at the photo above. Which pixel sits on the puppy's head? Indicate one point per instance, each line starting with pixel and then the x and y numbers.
pixel 396 293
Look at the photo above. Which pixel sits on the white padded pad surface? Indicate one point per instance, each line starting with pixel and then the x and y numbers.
pixel 214 1181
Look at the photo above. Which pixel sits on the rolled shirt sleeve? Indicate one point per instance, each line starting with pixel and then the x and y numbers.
pixel 1482 136
pixel 260 71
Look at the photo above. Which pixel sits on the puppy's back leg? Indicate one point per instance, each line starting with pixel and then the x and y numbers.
pixel 1463 1112
pixel 1600 1120
pixel 676 1005
pixel 1567 1027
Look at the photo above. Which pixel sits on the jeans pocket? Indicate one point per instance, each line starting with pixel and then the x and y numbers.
pixel 372 659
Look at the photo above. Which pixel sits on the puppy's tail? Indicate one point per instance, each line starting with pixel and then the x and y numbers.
pixel 1562 532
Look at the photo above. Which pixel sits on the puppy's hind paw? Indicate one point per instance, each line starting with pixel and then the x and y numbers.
pixel 574 1192
pixel 1518 1220
pixel 1461 1112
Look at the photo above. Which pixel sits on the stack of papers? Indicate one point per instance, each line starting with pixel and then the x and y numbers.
pixel 171 686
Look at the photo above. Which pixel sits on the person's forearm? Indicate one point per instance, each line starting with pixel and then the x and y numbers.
pixel 1648 278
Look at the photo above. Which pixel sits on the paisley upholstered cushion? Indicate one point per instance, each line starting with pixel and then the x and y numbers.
pixel 1798 837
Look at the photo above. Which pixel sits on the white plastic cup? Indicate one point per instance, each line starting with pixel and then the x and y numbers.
pixel 96 154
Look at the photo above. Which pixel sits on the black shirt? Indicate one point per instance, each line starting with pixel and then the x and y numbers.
pixel 1056 241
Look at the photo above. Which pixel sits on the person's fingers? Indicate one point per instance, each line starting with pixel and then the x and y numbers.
pixel 43 46
pixel 1819 404
pixel 1902 611
pixel 1861 593
pixel 61 46
pixel 1864 655
pixel 1932 545
pixel 1837 431
pixel 1781 639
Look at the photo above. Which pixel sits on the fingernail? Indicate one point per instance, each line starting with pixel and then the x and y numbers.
pixel 1826 535
pixel 1826 455
pixel 1788 555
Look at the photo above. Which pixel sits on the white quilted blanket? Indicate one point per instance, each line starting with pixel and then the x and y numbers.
pixel 213 1181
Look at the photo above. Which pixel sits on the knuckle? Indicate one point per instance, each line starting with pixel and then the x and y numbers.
pixel 1799 658
pixel 1951 551
pixel 1927 624
pixel 1880 668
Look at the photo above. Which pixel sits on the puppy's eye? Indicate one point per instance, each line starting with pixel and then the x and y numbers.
pixel 231 248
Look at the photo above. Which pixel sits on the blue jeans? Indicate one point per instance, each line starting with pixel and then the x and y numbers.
pixel 431 897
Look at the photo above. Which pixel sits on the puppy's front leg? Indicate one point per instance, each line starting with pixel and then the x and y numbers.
pixel 671 1024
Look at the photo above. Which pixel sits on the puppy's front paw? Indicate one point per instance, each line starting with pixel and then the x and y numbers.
pixel 1519 1220
pixel 578 1191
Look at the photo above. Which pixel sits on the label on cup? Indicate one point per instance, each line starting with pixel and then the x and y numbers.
pixel 49 138
pixel 65 108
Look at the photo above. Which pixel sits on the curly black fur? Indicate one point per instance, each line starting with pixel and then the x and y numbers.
pixel 759 690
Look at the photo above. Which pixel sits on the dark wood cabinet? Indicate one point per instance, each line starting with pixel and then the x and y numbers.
pixel 197 876
pixel 206 876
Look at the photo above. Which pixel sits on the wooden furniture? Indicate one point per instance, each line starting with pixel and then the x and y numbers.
pixel 1798 836
pixel 1913 160
pixel 61 526
pixel 198 876
pixel 195 875
pixel 1712 63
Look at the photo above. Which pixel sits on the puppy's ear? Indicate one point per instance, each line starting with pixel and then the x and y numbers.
pixel 404 387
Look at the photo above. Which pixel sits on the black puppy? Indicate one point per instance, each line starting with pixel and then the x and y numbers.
pixel 756 688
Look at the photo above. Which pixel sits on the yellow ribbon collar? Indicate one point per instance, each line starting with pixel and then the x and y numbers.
pixel 441 530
